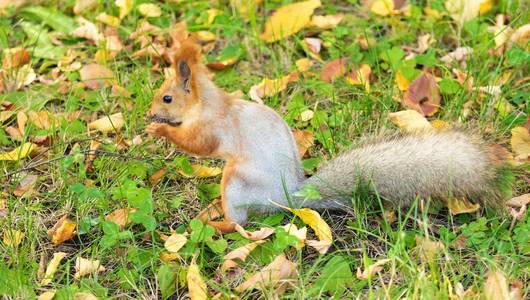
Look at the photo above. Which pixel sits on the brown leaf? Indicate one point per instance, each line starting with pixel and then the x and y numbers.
pixel 371 270
pixel 96 76
pixel 120 216
pixel 333 70
pixel 278 272
pixel 423 95
pixel 496 287
pixel 520 143
pixel 15 58
pixel 240 253
pixel 427 249
pixel 361 76
pixel 22 119
pixel 459 54
pixel 261 234
pixel 87 30
pixel 62 231
pixel 304 139
pixel 26 186
pixel 519 201
pixel 14 133
pixel 155 178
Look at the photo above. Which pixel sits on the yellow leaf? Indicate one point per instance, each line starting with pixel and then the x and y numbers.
pixel 464 10
pixel 440 125
pixel 196 286
pixel 202 171
pixel 520 143
pixel 108 123
pixel 496 287
pixel 62 231
pixel 84 296
pixel 461 206
pixel 149 10
pixel 360 76
pixel 300 234
pixel 13 237
pixel 166 256
pixel 85 267
pixel 313 219
pixel 372 269
pixel 326 22
pixel 52 267
pixel 205 36
pixel 240 253
pixel 108 19
pixel 212 13
pixel 304 139
pixel 402 82
pixel 410 121
pixel 485 6
pixel 427 249
pixel 382 7
pixel 270 87
pixel 125 7
pixel 289 19
pixel 20 152
pixel 48 295
pixel 174 242
pixel 120 216
pixel 303 64
pixel 276 273
pixel 82 6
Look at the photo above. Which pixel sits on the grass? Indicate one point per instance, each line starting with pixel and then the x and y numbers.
pixel 473 244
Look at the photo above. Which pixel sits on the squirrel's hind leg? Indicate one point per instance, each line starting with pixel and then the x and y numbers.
pixel 233 203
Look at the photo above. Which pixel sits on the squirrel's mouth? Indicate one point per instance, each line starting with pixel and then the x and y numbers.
pixel 157 119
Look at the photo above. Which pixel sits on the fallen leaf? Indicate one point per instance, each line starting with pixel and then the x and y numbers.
pixel 496 287
pixel 519 201
pixel 96 76
pixel 48 295
pixel 20 152
pixel 458 55
pixel 13 237
pixel 166 256
pixel 279 271
pixel 14 133
pixel 142 29
pixel 333 69
pixel 84 296
pixel 175 242
pixel 85 267
pixel 319 226
pixel 306 115
pixel 382 7
pixel 82 6
pixel 41 119
pixel 313 46
pixel 300 234
pixel 288 19
pixel 125 7
pixel 108 123
pixel 240 253
pixel 321 246
pixel 120 216
pixel 205 36
pixel 424 42
pixel 520 142
pixel 201 171
pixel 149 10
pixel 462 11
pixel 326 22
pixel 361 76
pixel 372 269
pixel 62 231
pixel 427 249
pixel 402 82
pixel 52 268
pixel 270 87
pixel 87 30
pixel 261 234
pixel 410 121
pixel 303 64
pixel 521 35
pixel 155 178
pixel 108 19
pixel 461 206
pixel 304 139
pixel 196 286
pixel 26 186
pixel 423 95
pixel 22 120
pixel 15 58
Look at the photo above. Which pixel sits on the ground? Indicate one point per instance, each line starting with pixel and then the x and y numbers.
pixel 431 253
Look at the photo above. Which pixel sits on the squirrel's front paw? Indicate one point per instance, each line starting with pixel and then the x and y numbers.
pixel 156 129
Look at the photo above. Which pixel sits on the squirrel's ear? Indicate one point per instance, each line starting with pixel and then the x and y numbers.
pixel 184 74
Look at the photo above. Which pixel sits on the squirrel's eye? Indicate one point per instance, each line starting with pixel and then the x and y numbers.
pixel 167 99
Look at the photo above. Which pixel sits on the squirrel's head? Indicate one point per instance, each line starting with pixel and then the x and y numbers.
pixel 179 95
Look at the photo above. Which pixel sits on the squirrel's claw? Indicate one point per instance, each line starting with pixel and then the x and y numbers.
pixel 156 129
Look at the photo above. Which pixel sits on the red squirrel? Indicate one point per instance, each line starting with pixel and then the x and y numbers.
pixel 263 164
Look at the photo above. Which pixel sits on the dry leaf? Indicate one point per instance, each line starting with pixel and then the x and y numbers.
pixel 300 234
pixel 20 152
pixel 62 231
pixel 15 58
pixel 240 253
pixel 461 206
pixel 13 237
pixel 26 186
pixel 321 246
pixel 303 64
pixel 521 35
pixel 288 19
pixel 41 119
pixel 410 121
pixel 306 115
pixel 96 76
pixel 372 269
pixel 427 249
pixel 205 36
pixel 382 7
pixel 155 178
pixel 261 234
pixel 108 19
pixel 361 76
pixel 91 156
pixel 312 46
pixel 201 171
pixel 82 6
pixel 52 268
pixel 333 70
pixel 459 54
pixel 14 133
pixel 270 87
pixel 519 201
pixel 464 10
pixel 326 22
pixel 496 287
pixel 313 219
pixel 87 30
pixel 304 139
pixel 402 82
pixel 48 295
pixel 166 256
pixel 279 271
pixel 84 296
pixel 125 7
pixel 85 267
pixel 149 10
pixel 423 95
pixel 120 216
pixel 174 242
pixel 196 286
pixel 520 143
pixel 108 123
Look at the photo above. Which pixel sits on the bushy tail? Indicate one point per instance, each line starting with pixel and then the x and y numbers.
pixel 428 165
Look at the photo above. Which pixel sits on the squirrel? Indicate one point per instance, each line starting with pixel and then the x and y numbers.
pixel 263 163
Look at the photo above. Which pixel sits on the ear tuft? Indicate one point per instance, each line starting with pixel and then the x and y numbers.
pixel 189 52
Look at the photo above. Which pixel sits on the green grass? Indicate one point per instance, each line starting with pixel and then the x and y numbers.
pixel 345 115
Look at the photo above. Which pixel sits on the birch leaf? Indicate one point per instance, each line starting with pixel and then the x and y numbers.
pixel 201 171
pixel 520 142
pixel 85 267
pixel 13 237
pixel 52 267
pixel 372 269
pixel 196 285
pixel 62 231
pixel 175 242
pixel 149 10
pixel 125 7
pixel 461 206
pixel 410 121
pixel 261 234
pixel 496 287
pixel 288 20
pixel 108 123
pixel 20 152
pixel 278 271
